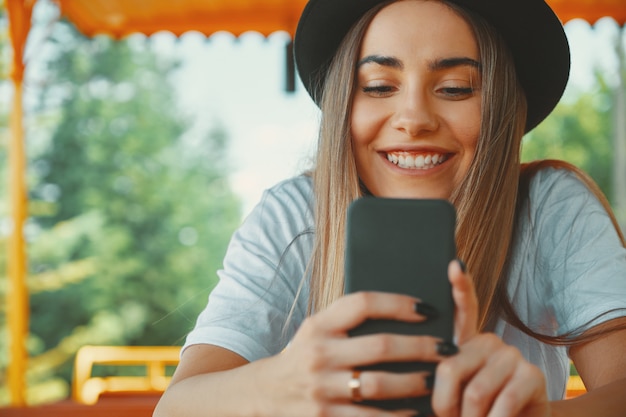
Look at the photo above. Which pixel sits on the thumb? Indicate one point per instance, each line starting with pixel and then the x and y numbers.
pixel 465 300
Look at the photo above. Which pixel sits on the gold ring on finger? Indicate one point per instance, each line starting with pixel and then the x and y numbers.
pixel 354 384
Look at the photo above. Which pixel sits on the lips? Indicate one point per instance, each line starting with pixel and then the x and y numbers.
pixel 423 161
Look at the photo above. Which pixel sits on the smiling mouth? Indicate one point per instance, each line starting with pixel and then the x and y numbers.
pixel 412 161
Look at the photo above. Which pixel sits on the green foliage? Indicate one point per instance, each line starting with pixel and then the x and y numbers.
pixel 129 220
pixel 579 132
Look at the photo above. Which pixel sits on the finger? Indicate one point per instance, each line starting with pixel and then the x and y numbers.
pixel 351 387
pixel 353 309
pixel 376 385
pixel 466 302
pixel 525 392
pixel 379 348
pixel 452 373
pixel 480 392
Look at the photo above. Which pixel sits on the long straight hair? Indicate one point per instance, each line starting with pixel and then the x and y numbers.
pixel 485 200
pixel 335 178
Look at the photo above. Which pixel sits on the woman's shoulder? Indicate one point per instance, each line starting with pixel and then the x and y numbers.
pixel 286 206
pixel 554 186
pixel 291 195
pixel 298 187
pixel 564 205
pixel 555 178
pixel 569 251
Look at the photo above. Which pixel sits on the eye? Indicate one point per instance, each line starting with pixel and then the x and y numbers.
pixel 454 92
pixel 378 90
pixel 457 91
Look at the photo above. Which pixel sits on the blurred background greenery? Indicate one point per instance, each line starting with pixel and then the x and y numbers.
pixel 129 219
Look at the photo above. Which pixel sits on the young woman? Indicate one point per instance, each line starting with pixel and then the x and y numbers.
pixel 420 99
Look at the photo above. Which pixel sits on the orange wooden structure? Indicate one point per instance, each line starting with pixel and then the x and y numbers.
pixel 119 18
pixel 589 10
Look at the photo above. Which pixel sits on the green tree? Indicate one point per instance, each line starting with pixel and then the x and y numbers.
pixel 129 219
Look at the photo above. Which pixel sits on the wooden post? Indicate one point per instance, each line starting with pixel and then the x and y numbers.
pixel 19 13
pixel 17 295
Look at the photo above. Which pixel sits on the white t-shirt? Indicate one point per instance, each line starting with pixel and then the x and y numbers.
pixel 568 268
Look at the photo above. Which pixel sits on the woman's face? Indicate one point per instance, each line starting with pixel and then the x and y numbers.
pixel 416 110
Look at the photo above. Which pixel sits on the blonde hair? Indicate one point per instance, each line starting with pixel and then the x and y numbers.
pixel 335 178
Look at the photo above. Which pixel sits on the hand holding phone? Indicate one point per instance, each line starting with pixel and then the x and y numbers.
pixel 402 246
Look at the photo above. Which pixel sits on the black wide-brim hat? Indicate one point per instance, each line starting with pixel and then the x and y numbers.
pixel 530 28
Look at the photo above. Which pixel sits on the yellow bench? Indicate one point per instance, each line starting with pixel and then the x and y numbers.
pixel 86 389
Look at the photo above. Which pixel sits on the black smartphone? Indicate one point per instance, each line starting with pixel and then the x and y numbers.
pixel 402 246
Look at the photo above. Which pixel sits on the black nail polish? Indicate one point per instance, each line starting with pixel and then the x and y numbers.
pixel 426 310
pixel 462 265
pixel 429 381
pixel 447 349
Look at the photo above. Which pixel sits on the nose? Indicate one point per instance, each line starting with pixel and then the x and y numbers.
pixel 415 114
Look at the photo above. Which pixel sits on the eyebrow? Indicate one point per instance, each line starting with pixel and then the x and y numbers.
pixel 386 61
pixel 436 65
pixel 446 63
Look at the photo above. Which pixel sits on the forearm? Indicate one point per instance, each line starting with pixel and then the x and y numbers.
pixel 225 394
pixel 606 401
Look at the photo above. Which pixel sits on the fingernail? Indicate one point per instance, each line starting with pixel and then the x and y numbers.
pixel 426 310
pixel 447 349
pixel 429 381
pixel 462 265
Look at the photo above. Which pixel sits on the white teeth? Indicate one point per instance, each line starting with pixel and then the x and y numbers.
pixel 409 161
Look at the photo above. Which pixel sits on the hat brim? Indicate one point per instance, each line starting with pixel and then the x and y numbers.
pixel 530 28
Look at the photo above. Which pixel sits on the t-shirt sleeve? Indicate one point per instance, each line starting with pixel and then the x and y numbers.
pixel 262 282
pixel 581 258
